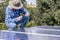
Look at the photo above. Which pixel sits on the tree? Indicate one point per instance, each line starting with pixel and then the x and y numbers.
pixel 2 10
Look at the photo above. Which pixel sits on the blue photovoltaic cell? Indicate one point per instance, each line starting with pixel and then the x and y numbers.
pixel 33 33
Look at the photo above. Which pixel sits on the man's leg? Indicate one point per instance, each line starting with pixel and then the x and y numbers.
pixel 24 21
pixel 23 24
pixel 12 26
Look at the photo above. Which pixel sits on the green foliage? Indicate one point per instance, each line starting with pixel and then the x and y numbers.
pixel 2 11
pixel 45 12
pixel 57 17
pixel 3 26
pixel 31 24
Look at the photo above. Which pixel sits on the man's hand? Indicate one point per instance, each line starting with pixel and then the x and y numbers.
pixel 20 17
pixel 27 14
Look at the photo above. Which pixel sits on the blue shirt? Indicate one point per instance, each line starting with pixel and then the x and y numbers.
pixel 12 15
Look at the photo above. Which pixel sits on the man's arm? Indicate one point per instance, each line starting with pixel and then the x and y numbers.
pixel 24 11
pixel 8 16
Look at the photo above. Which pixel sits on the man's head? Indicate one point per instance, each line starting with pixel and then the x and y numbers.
pixel 16 4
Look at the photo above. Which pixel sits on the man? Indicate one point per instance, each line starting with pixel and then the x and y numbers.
pixel 13 17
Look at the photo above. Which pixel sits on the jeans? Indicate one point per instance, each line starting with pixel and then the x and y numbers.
pixel 22 22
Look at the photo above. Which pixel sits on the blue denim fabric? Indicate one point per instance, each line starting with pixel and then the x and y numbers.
pixel 12 15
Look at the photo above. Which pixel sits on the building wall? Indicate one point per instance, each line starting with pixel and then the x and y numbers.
pixel 1 1
pixel 31 3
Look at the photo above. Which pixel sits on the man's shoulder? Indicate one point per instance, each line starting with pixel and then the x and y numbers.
pixel 8 7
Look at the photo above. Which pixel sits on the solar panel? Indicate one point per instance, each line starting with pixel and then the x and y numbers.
pixel 33 33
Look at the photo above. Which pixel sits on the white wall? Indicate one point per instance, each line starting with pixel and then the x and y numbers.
pixel 1 1
pixel 33 2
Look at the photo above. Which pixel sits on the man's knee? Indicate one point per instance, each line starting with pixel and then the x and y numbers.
pixel 26 18
pixel 11 25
